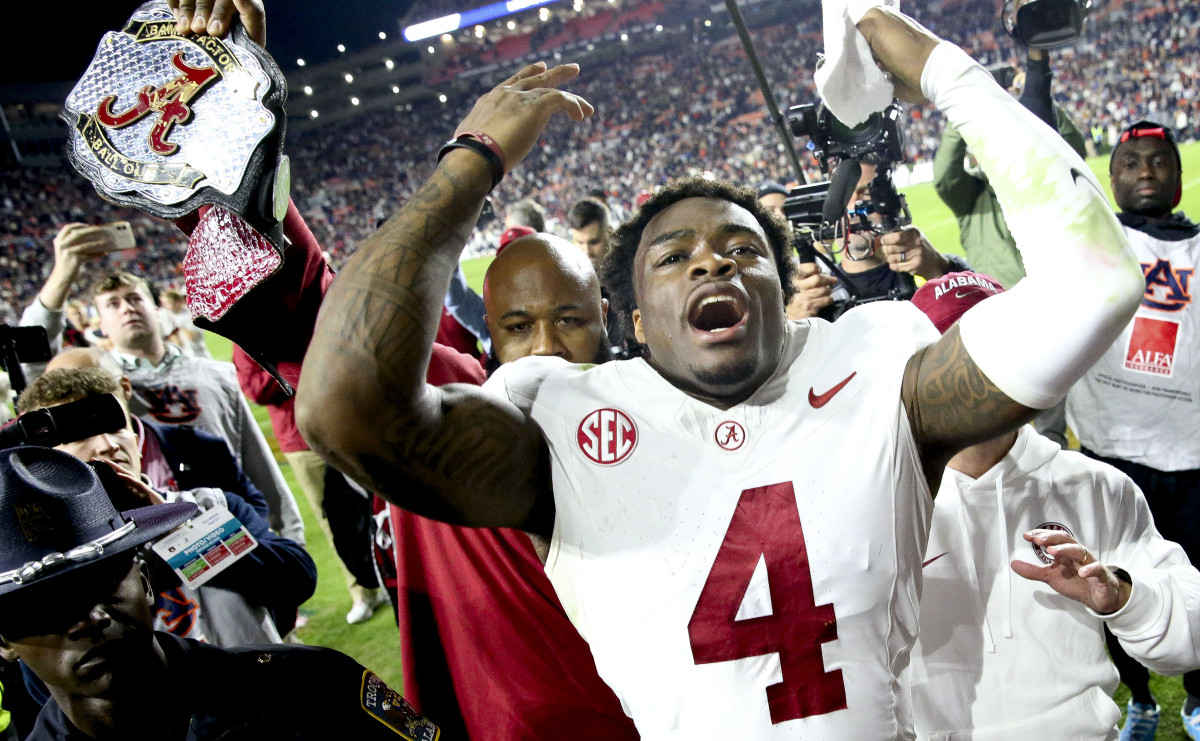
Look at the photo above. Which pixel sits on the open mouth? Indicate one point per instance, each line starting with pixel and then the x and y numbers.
pixel 718 309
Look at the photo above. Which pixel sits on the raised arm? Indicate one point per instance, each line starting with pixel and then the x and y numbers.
pixel 1022 350
pixel 451 453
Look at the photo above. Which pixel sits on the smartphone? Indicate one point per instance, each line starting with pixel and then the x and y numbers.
pixel 122 235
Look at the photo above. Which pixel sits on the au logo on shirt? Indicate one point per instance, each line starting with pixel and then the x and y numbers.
pixel 1166 286
pixel 607 436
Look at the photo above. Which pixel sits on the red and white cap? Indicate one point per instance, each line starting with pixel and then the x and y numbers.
pixel 945 299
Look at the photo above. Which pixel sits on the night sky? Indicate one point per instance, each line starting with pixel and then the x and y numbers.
pixel 53 42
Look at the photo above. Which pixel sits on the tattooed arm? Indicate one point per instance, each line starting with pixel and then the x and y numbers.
pixel 451 453
pixel 1022 350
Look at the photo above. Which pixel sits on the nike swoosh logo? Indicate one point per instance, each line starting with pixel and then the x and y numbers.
pixel 960 294
pixel 933 559
pixel 819 400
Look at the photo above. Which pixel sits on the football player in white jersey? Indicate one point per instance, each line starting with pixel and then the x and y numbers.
pixel 738 518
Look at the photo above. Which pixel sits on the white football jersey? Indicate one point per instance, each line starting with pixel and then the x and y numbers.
pixel 750 572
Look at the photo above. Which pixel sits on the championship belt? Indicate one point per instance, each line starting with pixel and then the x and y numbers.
pixel 169 124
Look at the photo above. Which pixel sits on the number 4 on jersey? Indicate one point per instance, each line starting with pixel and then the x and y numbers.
pixel 766 523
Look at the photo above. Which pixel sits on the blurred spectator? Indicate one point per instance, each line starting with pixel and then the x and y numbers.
pixel 186 335
pixel 176 389
pixel 311 473
pixel 590 226
pixel 525 212
pixel 240 605
pixel 1135 409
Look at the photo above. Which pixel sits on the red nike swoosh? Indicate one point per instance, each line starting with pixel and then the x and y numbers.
pixel 933 559
pixel 819 400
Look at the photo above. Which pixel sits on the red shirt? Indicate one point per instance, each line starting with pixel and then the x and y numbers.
pixel 485 645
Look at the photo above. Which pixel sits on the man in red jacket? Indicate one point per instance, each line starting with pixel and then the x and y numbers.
pixel 312 474
pixel 484 639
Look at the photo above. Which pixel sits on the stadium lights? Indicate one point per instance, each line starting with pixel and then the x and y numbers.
pixel 431 50
pixel 389 64
pixel 512 25
pixel 353 101
pixel 456 21
pixel 624 37
pixel 708 23
pixel 442 98
pixel 544 15
pixel 480 31
pixel 349 78
pixel 312 113
pixel 577 6
pixel 300 62
pixel 447 38
pixel 341 47
pixel 382 36
pixel 308 89
pixel 395 88
pixel 658 28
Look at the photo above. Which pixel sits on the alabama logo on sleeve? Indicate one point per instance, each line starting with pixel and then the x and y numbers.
pixel 1152 346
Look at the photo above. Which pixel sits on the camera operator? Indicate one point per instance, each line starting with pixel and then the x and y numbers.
pixel 875 264
pixel 964 188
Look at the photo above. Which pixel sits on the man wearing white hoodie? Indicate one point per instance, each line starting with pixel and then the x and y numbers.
pixel 1009 657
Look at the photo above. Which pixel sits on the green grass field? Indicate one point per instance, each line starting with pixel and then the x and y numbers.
pixel 375 643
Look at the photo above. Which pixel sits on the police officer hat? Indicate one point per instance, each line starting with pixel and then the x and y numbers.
pixel 56 517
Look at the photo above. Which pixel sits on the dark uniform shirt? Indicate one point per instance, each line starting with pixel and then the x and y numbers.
pixel 269 693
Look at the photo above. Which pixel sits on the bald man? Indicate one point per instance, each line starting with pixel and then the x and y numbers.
pixel 485 644
pixel 91 357
pixel 542 297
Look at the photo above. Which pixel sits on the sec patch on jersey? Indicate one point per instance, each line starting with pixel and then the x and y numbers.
pixel 607 436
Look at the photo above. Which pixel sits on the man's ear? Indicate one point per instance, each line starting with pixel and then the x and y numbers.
pixel 126 388
pixel 604 313
pixel 638 334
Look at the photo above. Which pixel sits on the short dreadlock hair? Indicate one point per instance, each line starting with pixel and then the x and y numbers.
pixel 616 273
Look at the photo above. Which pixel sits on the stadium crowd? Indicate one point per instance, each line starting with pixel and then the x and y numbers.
pixel 523 611
pixel 692 111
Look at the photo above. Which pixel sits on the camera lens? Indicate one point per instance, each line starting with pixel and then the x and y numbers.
pixel 860 134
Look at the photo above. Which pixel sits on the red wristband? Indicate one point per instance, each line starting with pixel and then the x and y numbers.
pixel 488 142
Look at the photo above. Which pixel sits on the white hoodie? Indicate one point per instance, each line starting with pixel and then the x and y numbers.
pixel 1001 657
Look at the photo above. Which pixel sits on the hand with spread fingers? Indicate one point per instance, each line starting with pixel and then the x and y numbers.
pixel 516 111
pixel 1075 572
pixel 214 17
pixel 908 251
pixel 814 291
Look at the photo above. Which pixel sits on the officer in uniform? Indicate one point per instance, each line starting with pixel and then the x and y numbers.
pixel 76 604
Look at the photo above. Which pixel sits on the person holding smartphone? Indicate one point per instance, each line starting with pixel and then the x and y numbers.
pixel 75 245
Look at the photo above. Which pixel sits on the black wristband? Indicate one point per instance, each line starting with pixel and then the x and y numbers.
pixel 1121 574
pixel 494 163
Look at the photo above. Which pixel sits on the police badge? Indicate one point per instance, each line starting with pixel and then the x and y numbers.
pixel 169 124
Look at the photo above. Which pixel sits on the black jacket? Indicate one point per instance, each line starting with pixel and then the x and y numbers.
pixel 270 693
